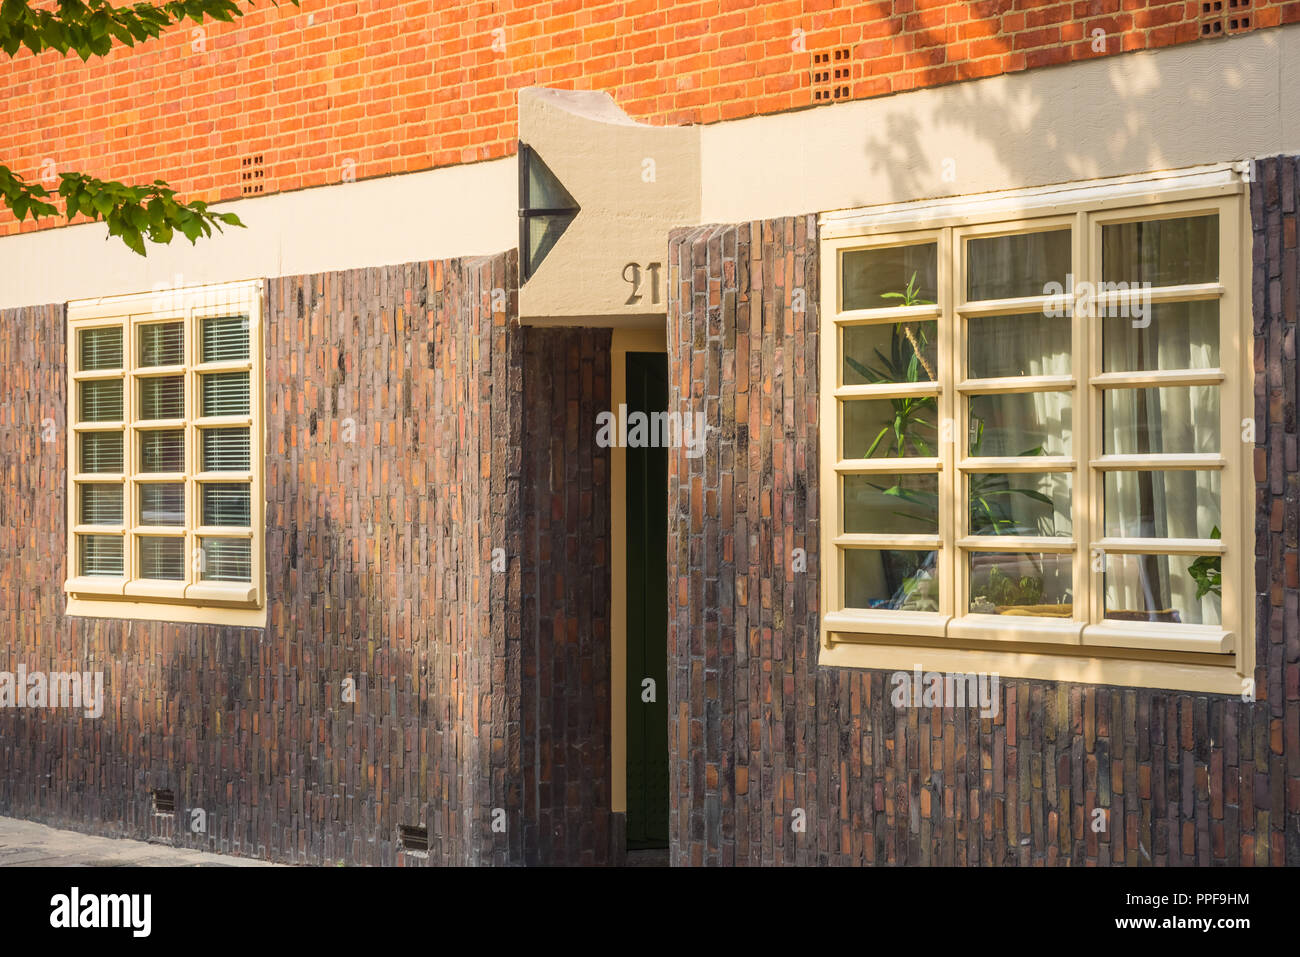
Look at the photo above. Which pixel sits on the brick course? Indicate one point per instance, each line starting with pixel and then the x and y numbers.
pixel 760 730
pixel 365 88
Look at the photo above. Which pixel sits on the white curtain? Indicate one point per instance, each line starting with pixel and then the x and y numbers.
pixel 1166 504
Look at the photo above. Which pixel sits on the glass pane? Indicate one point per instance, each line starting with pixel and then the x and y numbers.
pixel 226 504
pixel 162 344
pixel 1009 267
pixel 1030 584
pixel 1177 335
pixel 1163 252
pixel 101 505
pixel 1020 423
pixel 1020 503
pixel 1174 504
pixel 543 233
pixel 887 503
pixel 101 452
pixel 878 278
pixel 227 559
pixel 100 348
pixel 162 398
pixel 1175 419
pixel 545 191
pixel 162 451
pixel 162 504
pixel 225 339
pixel 101 401
pixel 880 428
pixel 225 450
pixel 101 555
pixel 891 352
pixel 225 393
pixel 162 558
pixel 885 578
pixel 1182 589
pixel 1030 344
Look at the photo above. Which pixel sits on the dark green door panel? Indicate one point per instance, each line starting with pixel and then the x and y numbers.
pixel 647 613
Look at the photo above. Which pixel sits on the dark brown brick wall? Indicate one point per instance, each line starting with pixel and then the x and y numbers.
pixel 378 555
pixel 397 401
pixel 760 730
pixel 566 509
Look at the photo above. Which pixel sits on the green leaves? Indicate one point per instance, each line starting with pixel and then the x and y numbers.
pixel 133 213
pixel 90 27
pixel 1207 572
pixel 911 294
pixel 23 197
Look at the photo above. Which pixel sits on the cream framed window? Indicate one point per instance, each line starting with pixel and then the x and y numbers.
pixel 1031 419
pixel 165 456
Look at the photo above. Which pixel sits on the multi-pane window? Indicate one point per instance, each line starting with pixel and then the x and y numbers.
pixel 165 479
pixel 1033 430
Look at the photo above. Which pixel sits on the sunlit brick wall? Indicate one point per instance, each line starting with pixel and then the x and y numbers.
pixel 332 90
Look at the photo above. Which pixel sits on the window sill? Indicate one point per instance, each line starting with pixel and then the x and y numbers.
pixel 1199 639
pixel 1023 629
pixel 217 603
pixel 1035 648
pixel 864 621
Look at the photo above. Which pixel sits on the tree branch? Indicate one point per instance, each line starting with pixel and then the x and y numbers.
pixel 90 27
pixel 134 213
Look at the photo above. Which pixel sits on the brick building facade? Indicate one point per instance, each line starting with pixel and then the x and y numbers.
pixel 447 672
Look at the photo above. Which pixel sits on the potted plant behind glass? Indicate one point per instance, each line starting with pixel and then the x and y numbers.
pixel 911 582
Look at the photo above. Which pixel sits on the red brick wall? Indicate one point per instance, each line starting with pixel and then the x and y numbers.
pixel 373 87
pixel 759 729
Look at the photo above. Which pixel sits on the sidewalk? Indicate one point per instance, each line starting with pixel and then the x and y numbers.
pixel 25 844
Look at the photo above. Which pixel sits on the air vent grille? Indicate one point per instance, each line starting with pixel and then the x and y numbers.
pixel 413 840
pixel 164 801
pixel 251 176
pixel 1226 17
pixel 832 75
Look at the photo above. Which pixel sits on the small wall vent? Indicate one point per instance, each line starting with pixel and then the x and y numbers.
pixel 164 801
pixel 162 823
pixel 413 840
pixel 832 75
pixel 1226 17
pixel 251 174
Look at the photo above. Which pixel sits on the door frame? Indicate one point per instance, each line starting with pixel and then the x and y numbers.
pixel 622 342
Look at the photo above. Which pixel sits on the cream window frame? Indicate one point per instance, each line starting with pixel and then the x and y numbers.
pixel 1085 647
pixel 193 599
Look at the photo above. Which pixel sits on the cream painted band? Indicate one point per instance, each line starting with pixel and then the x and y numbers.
pixel 1194 104
pixel 437 214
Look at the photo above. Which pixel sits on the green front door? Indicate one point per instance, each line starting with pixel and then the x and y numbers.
pixel 647 613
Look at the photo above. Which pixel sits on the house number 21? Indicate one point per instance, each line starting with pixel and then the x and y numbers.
pixel 632 276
